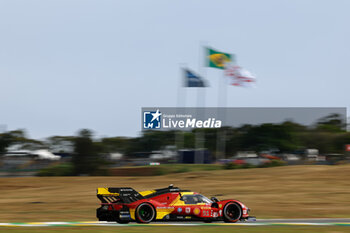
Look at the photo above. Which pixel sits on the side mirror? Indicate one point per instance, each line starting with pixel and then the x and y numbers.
pixel 214 199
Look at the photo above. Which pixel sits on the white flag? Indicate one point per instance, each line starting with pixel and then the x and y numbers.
pixel 239 77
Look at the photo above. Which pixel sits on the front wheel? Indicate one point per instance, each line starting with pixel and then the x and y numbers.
pixel 122 221
pixel 232 212
pixel 145 213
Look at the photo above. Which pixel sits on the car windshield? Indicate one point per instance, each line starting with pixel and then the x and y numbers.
pixel 205 199
pixel 195 199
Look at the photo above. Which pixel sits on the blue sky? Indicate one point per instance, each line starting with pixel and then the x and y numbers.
pixel 72 64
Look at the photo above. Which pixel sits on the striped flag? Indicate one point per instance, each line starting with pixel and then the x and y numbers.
pixel 239 76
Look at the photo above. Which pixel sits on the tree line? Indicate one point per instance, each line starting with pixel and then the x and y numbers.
pixel 328 134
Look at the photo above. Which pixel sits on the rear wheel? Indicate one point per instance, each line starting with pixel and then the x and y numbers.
pixel 145 213
pixel 232 212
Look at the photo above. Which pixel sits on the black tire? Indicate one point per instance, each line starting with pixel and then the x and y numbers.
pixel 122 221
pixel 145 213
pixel 232 212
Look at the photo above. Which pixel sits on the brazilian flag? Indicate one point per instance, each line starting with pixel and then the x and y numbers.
pixel 217 59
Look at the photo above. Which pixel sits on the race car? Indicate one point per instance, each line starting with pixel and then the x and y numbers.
pixel 124 205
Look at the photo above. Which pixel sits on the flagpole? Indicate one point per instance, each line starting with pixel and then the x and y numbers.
pixel 201 99
pixel 214 61
pixel 197 133
pixel 201 64
pixel 181 102
pixel 223 118
pixel 221 134
pixel 202 70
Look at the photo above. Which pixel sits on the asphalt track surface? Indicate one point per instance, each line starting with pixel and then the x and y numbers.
pixel 258 222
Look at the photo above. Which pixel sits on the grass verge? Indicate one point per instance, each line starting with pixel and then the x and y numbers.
pixel 162 229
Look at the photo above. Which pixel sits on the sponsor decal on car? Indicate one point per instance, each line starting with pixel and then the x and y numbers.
pixel 179 210
pixel 188 210
pixel 196 211
pixel 165 207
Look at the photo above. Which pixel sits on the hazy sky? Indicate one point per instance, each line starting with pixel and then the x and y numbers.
pixel 71 64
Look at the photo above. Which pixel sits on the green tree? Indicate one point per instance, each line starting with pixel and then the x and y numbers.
pixel 114 144
pixel 17 137
pixel 5 141
pixel 85 158
pixel 61 144
pixel 267 136
pixel 331 123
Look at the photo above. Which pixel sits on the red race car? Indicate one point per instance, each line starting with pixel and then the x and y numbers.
pixel 124 205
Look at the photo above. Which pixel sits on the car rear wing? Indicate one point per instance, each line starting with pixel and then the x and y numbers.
pixel 123 195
